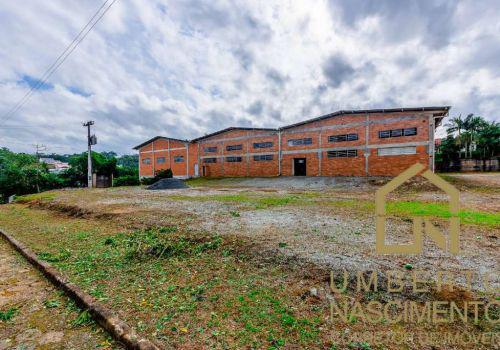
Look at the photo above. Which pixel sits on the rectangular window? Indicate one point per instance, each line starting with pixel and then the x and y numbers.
pixel 178 159
pixel 397 133
pixel 146 161
pixel 410 131
pixel 262 144
pixel 396 151
pixel 210 149
pixel 342 138
pixel 233 159
pixel 160 160
pixel 234 147
pixel 300 142
pixel 384 134
pixel 262 157
pixel 210 160
pixel 342 154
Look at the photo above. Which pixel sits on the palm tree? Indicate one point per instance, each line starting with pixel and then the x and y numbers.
pixel 456 124
pixel 472 124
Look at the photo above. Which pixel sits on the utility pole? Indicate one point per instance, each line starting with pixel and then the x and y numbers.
pixel 91 140
pixel 38 148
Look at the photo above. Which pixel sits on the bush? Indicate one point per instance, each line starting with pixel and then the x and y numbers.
pixel 164 174
pixel 148 180
pixel 160 174
pixel 127 180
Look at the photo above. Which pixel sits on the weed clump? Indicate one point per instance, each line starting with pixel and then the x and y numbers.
pixel 144 244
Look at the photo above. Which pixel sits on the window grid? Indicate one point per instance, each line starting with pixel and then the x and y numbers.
pixel 300 142
pixel 234 147
pixel 210 149
pixel 383 134
pixel 146 161
pixel 263 157
pixel 263 144
pixel 233 159
pixel 342 138
pixel 209 160
pixel 348 153
pixel 178 159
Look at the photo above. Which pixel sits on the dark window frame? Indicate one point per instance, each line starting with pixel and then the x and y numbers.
pixel 164 160
pixel 346 153
pixel 210 149
pixel 146 161
pixel 263 157
pixel 176 159
pixel 265 144
pixel 234 147
pixel 305 141
pixel 209 160
pixel 343 137
pixel 400 132
pixel 234 159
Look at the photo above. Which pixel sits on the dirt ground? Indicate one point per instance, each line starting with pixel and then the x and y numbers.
pixel 328 221
pixel 42 317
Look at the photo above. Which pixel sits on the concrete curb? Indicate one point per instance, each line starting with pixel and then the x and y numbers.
pixel 116 327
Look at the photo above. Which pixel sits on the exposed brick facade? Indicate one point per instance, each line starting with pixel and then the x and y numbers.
pixel 340 144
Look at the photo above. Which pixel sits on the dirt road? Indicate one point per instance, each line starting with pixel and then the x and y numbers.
pixel 34 315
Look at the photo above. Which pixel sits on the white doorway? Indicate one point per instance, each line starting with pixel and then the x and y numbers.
pixel 196 170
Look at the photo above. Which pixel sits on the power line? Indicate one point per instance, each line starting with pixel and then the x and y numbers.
pixel 59 61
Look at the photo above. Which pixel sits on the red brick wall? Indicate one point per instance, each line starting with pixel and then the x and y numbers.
pixel 319 131
pixel 247 166
pixel 163 148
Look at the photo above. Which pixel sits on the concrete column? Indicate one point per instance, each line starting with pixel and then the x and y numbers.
pixel 320 152
pixel 187 159
pixel 431 142
pixel 367 142
pixel 153 157
pixel 279 152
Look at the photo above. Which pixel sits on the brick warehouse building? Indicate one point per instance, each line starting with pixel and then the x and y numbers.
pixel 376 142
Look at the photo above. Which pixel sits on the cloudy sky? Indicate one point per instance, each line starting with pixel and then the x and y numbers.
pixel 184 68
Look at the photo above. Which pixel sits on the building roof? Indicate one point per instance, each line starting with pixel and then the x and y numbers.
pixel 157 138
pixel 231 129
pixel 440 111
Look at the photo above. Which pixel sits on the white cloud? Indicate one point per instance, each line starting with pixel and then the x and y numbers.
pixel 185 68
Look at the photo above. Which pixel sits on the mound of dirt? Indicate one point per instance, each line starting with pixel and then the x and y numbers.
pixel 168 184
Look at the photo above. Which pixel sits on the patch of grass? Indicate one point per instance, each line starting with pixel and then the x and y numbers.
pixel 192 289
pixel 202 181
pixel 40 197
pixel 83 319
pixel 259 202
pixel 50 304
pixel 234 214
pixel 8 314
pixel 441 210
pixel 62 255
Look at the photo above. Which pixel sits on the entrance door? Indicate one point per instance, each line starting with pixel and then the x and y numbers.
pixel 299 166
pixel 204 171
pixel 196 171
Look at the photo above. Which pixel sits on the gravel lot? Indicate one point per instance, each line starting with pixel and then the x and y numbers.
pixel 325 225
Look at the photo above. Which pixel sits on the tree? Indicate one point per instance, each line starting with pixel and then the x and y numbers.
pixel 76 175
pixel 22 174
pixel 488 140
pixel 456 124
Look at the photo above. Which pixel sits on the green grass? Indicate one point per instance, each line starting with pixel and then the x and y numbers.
pixel 259 202
pixel 43 197
pixel 175 286
pixel 440 210
pixel 8 314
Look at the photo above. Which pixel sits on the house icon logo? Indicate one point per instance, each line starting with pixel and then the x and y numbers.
pixel 420 225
